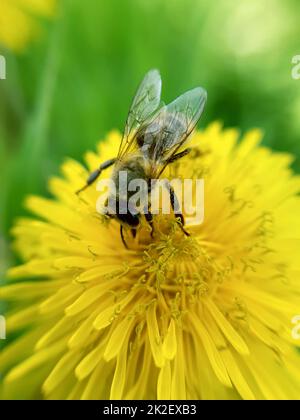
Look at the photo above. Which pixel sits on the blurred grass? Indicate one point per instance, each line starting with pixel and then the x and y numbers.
pixel 76 83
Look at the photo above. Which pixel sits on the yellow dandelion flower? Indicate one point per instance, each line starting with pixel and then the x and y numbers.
pixel 18 21
pixel 173 317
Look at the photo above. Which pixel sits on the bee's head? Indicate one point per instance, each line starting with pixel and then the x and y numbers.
pixel 129 219
pixel 116 211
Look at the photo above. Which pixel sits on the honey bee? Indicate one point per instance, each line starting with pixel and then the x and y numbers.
pixel 153 138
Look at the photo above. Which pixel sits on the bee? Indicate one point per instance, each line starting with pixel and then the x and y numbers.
pixel 154 136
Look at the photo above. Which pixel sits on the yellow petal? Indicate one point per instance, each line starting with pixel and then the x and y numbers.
pixel 170 342
pixel 232 336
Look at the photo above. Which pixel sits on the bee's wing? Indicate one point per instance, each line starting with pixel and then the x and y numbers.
pixel 145 103
pixel 171 127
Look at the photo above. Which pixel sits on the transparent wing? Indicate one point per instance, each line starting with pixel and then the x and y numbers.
pixel 144 105
pixel 172 125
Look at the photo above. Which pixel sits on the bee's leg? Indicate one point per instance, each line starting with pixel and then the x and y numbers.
pixel 133 233
pixel 95 174
pixel 122 236
pixel 149 218
pixel 179 155
pixel 148 215
pixel 175 205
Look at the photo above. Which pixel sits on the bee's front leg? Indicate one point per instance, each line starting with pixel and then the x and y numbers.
pixel 95 174
pixel 149 218
pixel 123 237
pixel 175 206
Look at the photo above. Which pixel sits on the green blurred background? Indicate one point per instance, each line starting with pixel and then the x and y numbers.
pixel 74 83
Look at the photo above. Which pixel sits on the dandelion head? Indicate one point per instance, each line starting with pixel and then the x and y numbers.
pixel 173 317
